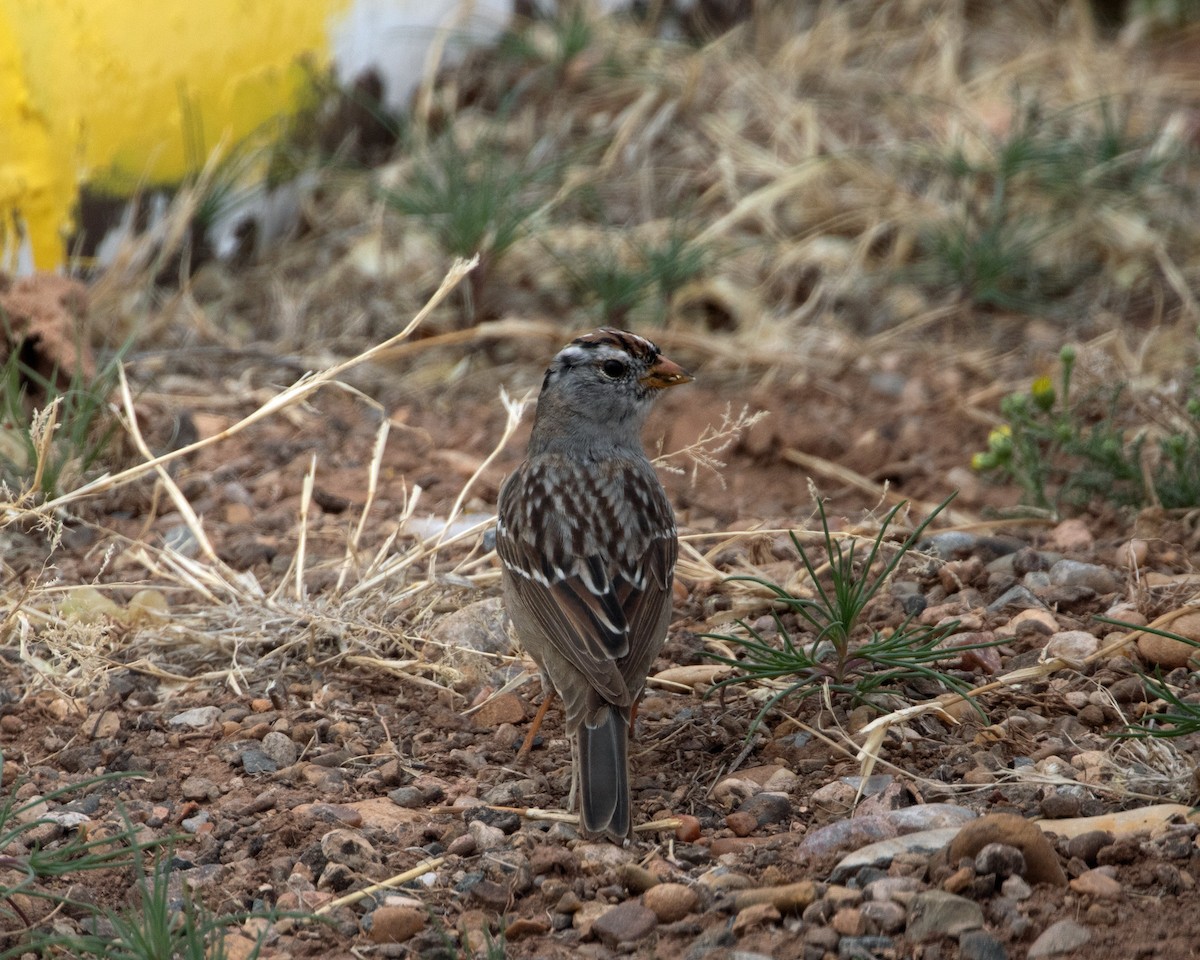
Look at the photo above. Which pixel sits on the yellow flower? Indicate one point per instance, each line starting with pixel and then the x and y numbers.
pixel 1043 392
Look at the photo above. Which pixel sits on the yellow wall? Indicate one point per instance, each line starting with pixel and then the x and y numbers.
pixel 114 93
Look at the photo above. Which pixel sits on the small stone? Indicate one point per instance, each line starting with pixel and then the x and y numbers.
pixel 1061 937
pixel 934 914
pixel 1073 573
pixel 280 748
pixel 980 945
pixel 1098 884
pixel 1071 536
pixel 395 924
pixel 789 898
pixel 1169 653
pixel 884 916
pixel 865 948
pixel 627 922
pixel 724 845
pixel 755 915
pixel 1085 846
pixel 348 848
pixel 486 837
pixel 732 792
pixel 849 922
pixel 742 824
pixel 199 788
pixel 670 901
pixel 254 761
pixel 1073 647
pixel 960 880
pixel 197 717
pixel 103 727
pixel 462 846
pixel 488 893
pixel 688 830
pixel 411 798
pixel 505 708
pixel 636 878
pixel 1016 888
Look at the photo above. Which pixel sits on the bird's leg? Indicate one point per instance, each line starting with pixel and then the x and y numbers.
pixel 574 773
pixel 536 725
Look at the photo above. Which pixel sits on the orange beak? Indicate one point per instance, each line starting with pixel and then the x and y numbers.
pixel 665 373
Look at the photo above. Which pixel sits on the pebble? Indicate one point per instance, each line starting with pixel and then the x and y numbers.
pixel 1016 888
pixel 254 761
pixel 884 916
pixel 394 924
pixel 348 848
pixel 1071 646
pixel 636 878
pixel 865 948
pixel 933 914
pixel 627 922
pixel 767 808
pixel 732 792
pixel 1000 859
pixel 1169 653
pixel 1087 845
pixel 197 717
pixel 199 788
pixel 1071 536
pixel 486 837
pixel 755 915
pixel 1075 573
pixel 688 830
pixel 505 708
pixel 788 898
pixel 1019 596
pixel 980 945
pixel 670 901
pixel 1061 937
pixel 280 748
pixel 1097 883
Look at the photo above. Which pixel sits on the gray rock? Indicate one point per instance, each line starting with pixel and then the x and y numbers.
pixel 192 824
pixel 197 717
pixel 934 914
pixel 865 948
pixel 885 916
pixel 1016 888
pixel 767 808
pixel 412 798
pixel 486 837
pixel 980 945
pixel 1001 859
pixel 1016 598
pixel 280 748
pixel 1075 573
pixel 255 761
pixel 883 852
pixel 628 922
pixel 1061 937
pixel 349 848
pixel 199 788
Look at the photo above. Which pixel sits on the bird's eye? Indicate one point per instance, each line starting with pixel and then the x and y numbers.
pixel 613 369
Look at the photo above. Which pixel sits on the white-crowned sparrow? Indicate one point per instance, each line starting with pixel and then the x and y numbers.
pixel 587 542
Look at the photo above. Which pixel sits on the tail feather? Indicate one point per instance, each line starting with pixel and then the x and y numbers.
pixel 604 775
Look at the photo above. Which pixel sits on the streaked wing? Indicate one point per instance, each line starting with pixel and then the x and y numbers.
pixel 597 581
